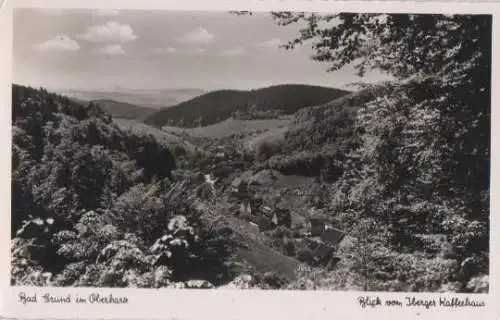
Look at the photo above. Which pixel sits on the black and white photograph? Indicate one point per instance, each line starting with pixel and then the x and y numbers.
pixel 279 150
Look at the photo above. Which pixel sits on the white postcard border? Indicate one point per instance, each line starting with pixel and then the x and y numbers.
pixel 236 304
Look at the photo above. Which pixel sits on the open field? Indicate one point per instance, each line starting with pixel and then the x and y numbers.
pixel 162 136
pixel 231 126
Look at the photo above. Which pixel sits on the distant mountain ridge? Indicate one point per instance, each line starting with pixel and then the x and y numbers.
pixel 154 98
pixel 124 110
pixel 217 106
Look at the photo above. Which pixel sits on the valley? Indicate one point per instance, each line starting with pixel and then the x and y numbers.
pixel 289 202
pixel 341 151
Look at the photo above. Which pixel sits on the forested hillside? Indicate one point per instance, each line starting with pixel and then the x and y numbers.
pixel 118 109
pixel 124 110
pixel 93 205
pixel 406 163
pixel 218 106
pixel 421 215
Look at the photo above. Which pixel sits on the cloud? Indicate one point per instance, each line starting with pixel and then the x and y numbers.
pixel 107 12
pixel 199 36
pixel 58 43
pixel 272 44
pixel 111 50
pixel 238 51
pixel 111 32
pixel 168 50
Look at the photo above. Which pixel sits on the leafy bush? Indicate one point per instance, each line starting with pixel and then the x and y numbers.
pixel 305 255
pixel 94 205
pixel 266 150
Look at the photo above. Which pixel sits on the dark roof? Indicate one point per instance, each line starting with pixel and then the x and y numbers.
pixel 322 251
pixel 332 236
pixel 316 220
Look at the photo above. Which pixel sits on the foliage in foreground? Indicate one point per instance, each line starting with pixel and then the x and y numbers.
pixel 412 156
pixel 95 206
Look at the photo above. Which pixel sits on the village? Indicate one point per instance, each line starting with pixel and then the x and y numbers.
pixel 273 150
pixel 256 200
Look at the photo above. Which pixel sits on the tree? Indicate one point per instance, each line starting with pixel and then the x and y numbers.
pixel 81 186
pixel 454 50
pixel 421 163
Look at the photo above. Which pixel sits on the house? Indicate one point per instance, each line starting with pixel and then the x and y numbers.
pixel 245 208
pixel 316 226
pixel 323 254
pixel 311 243
pixel 223 170
pixel 283 217
pixel 256 202
pixel 268 212
pixel 326 244
pixel 332 236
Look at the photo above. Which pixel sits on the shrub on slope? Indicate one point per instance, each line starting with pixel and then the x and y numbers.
pixel 93 205
pixel 404 173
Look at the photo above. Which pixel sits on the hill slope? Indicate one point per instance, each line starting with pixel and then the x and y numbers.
pixel 378 152
pixel 163 137
pixel 123 110
pixel 75 171
pixel 217 106
pixel 155 99
pixel 231 126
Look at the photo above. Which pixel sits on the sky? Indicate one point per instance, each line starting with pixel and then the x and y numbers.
pixel 109 49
